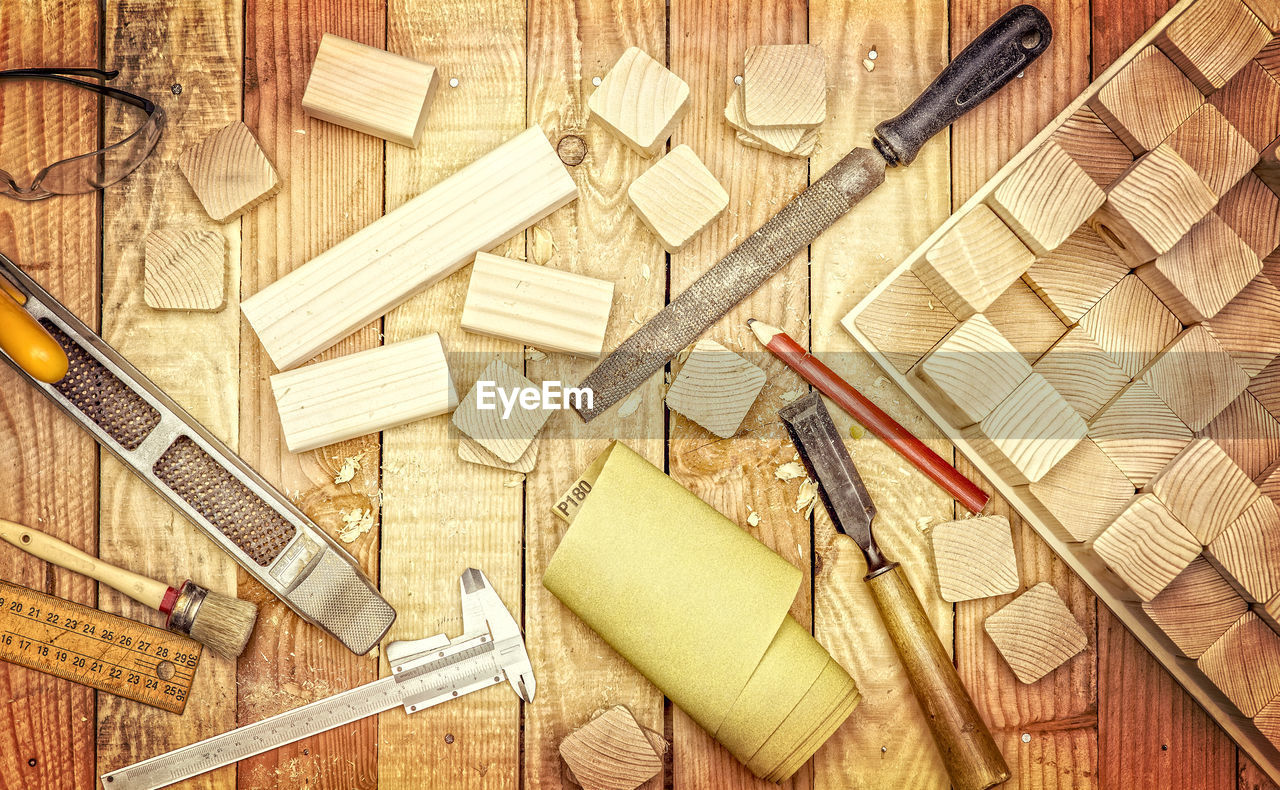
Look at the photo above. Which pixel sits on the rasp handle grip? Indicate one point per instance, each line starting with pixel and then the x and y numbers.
pixel 970 754
pixel 990 61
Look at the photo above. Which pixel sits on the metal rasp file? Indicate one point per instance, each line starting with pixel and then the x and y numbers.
pixel 990 61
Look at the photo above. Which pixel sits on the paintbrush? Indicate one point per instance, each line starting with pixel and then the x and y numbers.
pixel 220 622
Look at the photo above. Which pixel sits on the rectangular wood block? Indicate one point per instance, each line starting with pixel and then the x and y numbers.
pixel 1147 100
pixel 972 265
pixel 1026 321
pixel 370 90
pixel 1247 552
pixel 1082 372
pixel 640 101
pixel 1083 493
pixel 1248 328
pixel 677 197
pixel 1203 271
pixel 1046 198
pixel 1212 40
pixel 905 321
pixel 547 308
pixel 1245 664
pixel 363 393
pixel 229 172
pixel 974 558
pixel 1196 608
pixel 784 85
pixel 1131 324
pixel 419 243
pixel 1072 278
pixel 1204 489
pixel 1252 211
pixel 971 371
pixel 1146 546
pixel 1251 102
pixel 1213 147
pixel 1036 633
pixel 1139 433
pixel 1247 433
pixel 1091 143
pixel 1196 377
pixel 1029 432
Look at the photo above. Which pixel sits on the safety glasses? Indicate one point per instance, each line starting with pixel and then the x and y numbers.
pixel 92 171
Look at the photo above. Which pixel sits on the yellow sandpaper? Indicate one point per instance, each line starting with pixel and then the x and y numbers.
pixel 700 608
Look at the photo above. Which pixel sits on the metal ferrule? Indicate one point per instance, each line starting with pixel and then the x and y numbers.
pixel 187 607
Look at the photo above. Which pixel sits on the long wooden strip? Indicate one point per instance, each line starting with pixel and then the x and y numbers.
pixel 48 724
pixel 423 241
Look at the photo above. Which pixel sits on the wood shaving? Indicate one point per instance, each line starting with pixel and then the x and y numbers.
pixel 807 498
pixel 856 431
pixel 868 64
pixel 791 395
pixel 514 481
pixel 753 518
pixel 629 406
pixel 350 465
pixel 534 355
pixel 542 245
pixel 355 522
pixel 644 271
pixel 789 471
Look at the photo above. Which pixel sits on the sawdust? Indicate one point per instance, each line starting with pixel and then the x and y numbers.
pixel 542 244
pixel 753 518
pixel 630 404
pixel 791 395
pixel 868 64
pixel 347 472
pixel 644 271
pixel 806 498
pixel 789 471
pixel 355 522
pixel 534 355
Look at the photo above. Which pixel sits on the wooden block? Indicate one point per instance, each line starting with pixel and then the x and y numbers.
pixel 640 101
pixel 483 414
pixel 363 393
pixel 974 558
pixel 1252 211
pixel 1082 372
pixel 1084 492
pixel 417 244
pixel 1152 206
pixel 1146 546
pixel 547 308
pixel 1268 11
pixel 1036 633
pixel 1218 153
pixel 715 388
pixel 1248 328
pixel 611 752
pixel 1247 552
pixel 803 149
pixel 1139 433
pixel 677 197
pixel 1195 377
pixel 1093 146
pixel 1266 388
pixel 1072 278
pixel 1247 433
pixel 1245 664
pixel 1025 320
pixel 1203 271
pixel 974 262
pixel 787 140
pixel 229 172
pixel 370 90
pixel 1146 101
pixel 1029 432
pixel 1046 198
pixel 971 371
pixel 1212 40
pixel 1251 102
pixel 1267 721
pixel 473 452
pixel 185 270
pixel 1131 325
pixel 1196 608
pixel 785 85
pixel 1268 169
pixel 1204 489
pixel 1269 57
pixel 905 321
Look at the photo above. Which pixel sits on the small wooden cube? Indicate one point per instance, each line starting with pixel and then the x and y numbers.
pixel 715 388
pixel 1083 493
pixel 1250 101
pixel 480 415
pixel 1269 57
pixel 1139 433
pixel 1203 271
pixel 677 197
pixel 1212 40
pixel 1072 278
pixel 905 321
pixel 1046 198
pixel 1252 211
pixel 802 150
pixel 1196 377
pixel 185 270
pixel 370 90
pixel 1152 206
pixel 1131 325
pixel 974 558
pixel 1036 633
pixel 1029 432
pixel 1268 169
pixel 640 101
pixel 786 140
pixel 1196 608
pixel 1146 546
pixel 1083 372
pixel 1268 11
pixel 1092 144
pixel 1026 321
pixel 1147 100
pixel 974 262
pixel 971 371
pixel 1204 489
pixel 1218 153
pixel 1266 388
pixel 785 85
pixel 1247 433
pixel 1245 664
pixel 1247 552
pixel 1248 328
pixel 229 172
pixel 611 752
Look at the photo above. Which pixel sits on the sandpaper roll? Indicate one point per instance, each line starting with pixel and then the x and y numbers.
pixel 699 607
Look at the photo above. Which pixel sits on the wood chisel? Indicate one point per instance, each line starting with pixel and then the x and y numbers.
pixel 970 754
pixel 990 61
pixel 424 673
pixel 200 476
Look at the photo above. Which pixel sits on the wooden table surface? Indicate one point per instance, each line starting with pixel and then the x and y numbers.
pixel 1110 718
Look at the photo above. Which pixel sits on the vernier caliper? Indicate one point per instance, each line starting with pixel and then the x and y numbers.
pixel 424 672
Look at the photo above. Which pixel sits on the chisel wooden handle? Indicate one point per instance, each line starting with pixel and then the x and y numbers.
pixel 970 754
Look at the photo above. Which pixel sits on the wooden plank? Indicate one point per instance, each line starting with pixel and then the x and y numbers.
pixel 49 724
pixel 678 197
pixel 1203 271
pixel 974 558
pixel 971 371
pixel 501 192
pixel 1212 40
pixel 1214 148
pixel 1195 377
pixel 185 270
pixel 370 90
pixel 1146 546
pixel 1204 489
pixel 1196 608
pixel 1131 325
pixel 229 172
pixel 784 85
pixel 715 388
pixel 1075 276
pixel 1046 198
pixel 1029 432
pixel 1146 101
pixel 1036 633
pixel 193 356
pixel 640 100
pixel 972 265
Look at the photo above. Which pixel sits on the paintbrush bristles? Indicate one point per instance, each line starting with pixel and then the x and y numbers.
pixel 223 624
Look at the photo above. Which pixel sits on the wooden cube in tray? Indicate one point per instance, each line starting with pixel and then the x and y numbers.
pixel 1026 320
pixel 1196 608
pixel 1147 100
pixel 1247 432
pixel 1213 147
pixel 1082 494
pixel 1195 377
pixel 977 259
pixel 1029 432
pixel 904 321
pixel 1212 40
pixel 1247 552
pixel 1090 142
pixel 971 371
pixel 1139 433
pixel 1244 663
pixel 1082 372
pixel 1203 271
pixel 1072 278
pixel 1248 328
pixel 1251 102
pixel 1131 324
pixel 1252 210
pixel 1146 546
pixel 1046 198
pixel 1204 488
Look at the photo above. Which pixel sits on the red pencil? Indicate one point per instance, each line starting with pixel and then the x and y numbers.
pixel 870 415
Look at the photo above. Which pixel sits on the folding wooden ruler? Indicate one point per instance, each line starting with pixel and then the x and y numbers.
pixel 84 645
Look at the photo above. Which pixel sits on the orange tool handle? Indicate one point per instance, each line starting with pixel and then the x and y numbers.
pixel 27 343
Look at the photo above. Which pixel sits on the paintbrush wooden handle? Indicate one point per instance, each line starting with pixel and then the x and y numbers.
pixel 142 589
pixel 970 754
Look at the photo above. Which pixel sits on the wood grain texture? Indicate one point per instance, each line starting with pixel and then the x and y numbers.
pixel 1212 40
pixel 1248 433
pixel 473 452
pixel 1247 552
pixel 1268 11
pixel 789 140
pixel 1268 168
pixel 1146 546
pixel 1085 468
pixel 1204 489
pixel 611 752
pixel 715 388
pixel 1131 324
pixel 1027 321
pixel 1248 102
pixel 1248 328
pixel 485 418
pixel 678 197
pixel 973 264
pixel 1245 664
pixel 907 320
pixel 974 558
pixel 784 85
pixel 1147 100
pixel 1139 433
pixel 1093 146
pixel 640 100
pixel 1082 372
pixel 1196 608
pixel 1036 633
pixel 971 371
pixel 1203 271
pixel 1072 278
pixel 185 270
pixel 1029 432
pixel 1047 198
pixel 1252 210
pixel 229 172
pixel 1195 377
pixel 1214 148
pixel 802 150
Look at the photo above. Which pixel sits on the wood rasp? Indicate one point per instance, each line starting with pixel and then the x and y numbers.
pixel 990 61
